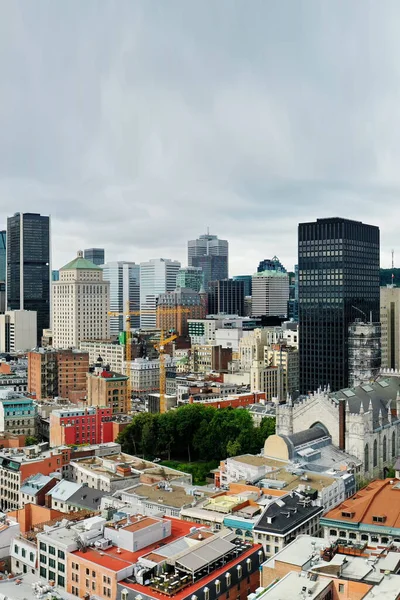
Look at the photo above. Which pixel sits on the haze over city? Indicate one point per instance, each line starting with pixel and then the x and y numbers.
pixel 137 125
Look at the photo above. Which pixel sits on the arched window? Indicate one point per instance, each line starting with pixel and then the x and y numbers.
pixel 366 457
pixel 375 458
pixel 384 449
pixel 393 444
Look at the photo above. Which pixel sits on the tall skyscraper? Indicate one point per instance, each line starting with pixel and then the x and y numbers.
pixel 95 255
pixel 211 255
pixel 124 278
pixel 226 297
pixel 28 266
pixel 157 276
pixel 270 293
pixel 81 301
pixel 3 255
pixel 338 278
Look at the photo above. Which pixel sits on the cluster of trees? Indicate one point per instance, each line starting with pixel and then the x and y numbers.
pixel 195 432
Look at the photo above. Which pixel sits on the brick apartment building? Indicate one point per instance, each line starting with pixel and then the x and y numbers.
pixel 72 426
pixel 56 372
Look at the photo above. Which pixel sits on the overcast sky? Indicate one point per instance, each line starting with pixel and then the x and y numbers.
pixel 138 123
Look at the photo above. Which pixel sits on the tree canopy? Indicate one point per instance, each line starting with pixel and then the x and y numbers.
pixel 195 432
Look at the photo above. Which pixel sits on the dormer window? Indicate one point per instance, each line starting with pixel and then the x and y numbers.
pixel 347 515
pixel 379 518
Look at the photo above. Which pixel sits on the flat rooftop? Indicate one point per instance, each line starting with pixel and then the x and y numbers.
pixel 176 498
pixel 297 587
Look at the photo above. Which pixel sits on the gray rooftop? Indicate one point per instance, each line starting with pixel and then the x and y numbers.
pixel 86 497
pixel 34 484
pixel 377 395
pixel 64 490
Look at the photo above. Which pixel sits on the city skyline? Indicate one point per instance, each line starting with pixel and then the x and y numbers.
pixel 275 134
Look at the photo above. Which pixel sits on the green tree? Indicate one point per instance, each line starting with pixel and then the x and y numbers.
pixel 166 438
pixel 31 440
pixel 233 448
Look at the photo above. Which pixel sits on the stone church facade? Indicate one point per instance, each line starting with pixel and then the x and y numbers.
pixel 363 421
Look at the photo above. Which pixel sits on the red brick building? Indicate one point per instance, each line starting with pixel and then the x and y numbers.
pixel 73 426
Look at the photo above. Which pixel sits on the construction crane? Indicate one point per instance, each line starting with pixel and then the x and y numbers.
pixel 128 349
pixel 160 346
pixel 174 310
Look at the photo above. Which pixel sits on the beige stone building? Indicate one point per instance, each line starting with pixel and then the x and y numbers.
pixel 80 304
pixel 107 388
pixel 390 323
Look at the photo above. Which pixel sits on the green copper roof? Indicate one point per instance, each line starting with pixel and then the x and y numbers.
pixel 80 263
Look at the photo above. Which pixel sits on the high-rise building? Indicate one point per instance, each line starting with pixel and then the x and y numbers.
pixel 190 277
pixel 157 276
pixel 124 278
pixel 95 255
pixel 55 275
pixel 270 293
pixel 28 266
pixel 247 279
pixel 81 302
pixel 364 352
pixel 226 297
pixel 3 255
pixel 271 264
pixel 293 302
pixel 175 308
pixel 338 278
pixel 54 373
pixel 390 322
pixel 18 330
pixel 211 255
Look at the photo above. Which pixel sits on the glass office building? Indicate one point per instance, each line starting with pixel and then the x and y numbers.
pixel 124 278
pixel 338 278
pixel 211 255
pixel 226 297
pixel 28 266
pixel 95 255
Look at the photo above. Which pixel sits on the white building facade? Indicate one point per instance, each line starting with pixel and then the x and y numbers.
pixel 157 276
pixel 80 304
pixel 124 278
pixel 18 330
pixel 270 293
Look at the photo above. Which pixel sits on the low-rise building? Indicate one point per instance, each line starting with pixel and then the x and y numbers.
pixel 112 353
pixel 105 388
pixel 309 568
pixel 120 471
pixel 16 465
pixel 370 516
pixel 71 426
pixel 34 489
pixel 286 518
pixel 17 413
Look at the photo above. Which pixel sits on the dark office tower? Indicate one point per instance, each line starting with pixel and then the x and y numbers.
pixel 28 266
pixel 3 258
pixel 226 296
pixel 95 255
pixel 271 264
pixel 338 278
pixel 211 255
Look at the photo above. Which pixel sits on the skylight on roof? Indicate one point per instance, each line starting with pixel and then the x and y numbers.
pixel 367 388
pixel 383 383
pixel 348 393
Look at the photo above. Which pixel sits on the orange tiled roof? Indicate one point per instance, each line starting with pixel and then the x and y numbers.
pixel 378 499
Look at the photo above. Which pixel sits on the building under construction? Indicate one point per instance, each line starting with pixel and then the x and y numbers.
pixel 364 352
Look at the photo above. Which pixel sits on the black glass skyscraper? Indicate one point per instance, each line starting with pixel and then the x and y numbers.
pixel 226 297
pixel 3 260
pixel 338 278
pixel 28 266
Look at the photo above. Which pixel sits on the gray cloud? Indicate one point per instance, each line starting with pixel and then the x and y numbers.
pixel 138 124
